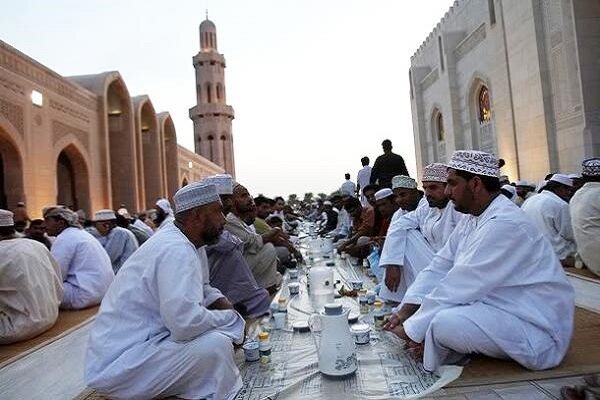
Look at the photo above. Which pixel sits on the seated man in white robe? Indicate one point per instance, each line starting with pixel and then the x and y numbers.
pixel 585 215
pixel 259 250
pixel 162 330
pixel 30 285
pixel 496 288
pixel 86 269
pixel 414 237
pixel 549 211
pixel 119 243
pixel 164 213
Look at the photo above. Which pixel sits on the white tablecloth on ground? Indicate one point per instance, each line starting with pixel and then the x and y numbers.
pixel 385 369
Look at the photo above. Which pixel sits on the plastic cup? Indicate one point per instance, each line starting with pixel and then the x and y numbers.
pixel 279 320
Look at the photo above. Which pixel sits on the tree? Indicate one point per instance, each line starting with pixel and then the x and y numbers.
pixel 308 197
pixel 293 200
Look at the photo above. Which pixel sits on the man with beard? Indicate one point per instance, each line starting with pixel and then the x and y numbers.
pixel 162 330
pixel 37 232
pixel 264 207
pixel 496 287
pixel 416 236
pixel 259 250
pixel 164 213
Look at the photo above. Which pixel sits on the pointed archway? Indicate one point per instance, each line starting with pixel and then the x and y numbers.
pixel 72 180
pixel 11 171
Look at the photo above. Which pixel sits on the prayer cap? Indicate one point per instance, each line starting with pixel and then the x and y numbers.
pixel 383 193
pixel 435 172
pixel 195 195
pixel 6 218
pixel 403 181
pixel 564 179
pixel 591 167
pixel 574 176
pixel 165 206
pixel 70 217
pixel 327 203
pixel 475 162
pixel 223 182
pixel 105 215
pixel 522 183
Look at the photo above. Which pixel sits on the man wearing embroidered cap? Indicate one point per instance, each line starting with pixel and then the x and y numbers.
pixel 86 269
pixel 414 237
pixel 549 211
pixel 407 194
pixel 118 242
pixel 585 215
pixel 30 285
pixel 162 329
pixel 496 287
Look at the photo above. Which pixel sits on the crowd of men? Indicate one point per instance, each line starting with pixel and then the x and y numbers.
pixel 472 263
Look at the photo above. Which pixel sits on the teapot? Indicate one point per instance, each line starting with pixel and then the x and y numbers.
pixel 335 345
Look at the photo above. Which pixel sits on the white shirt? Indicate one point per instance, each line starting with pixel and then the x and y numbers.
pixel 585 215
pixel 138 223
pixel 159 298
pixel 364 176
pixel 499 259
pixel 84 264
pixel 30 289
pixel 551 215
pixel 349 187
pixel 119 244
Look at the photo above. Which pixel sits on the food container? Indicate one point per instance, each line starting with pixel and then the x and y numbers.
pixel 293 273
pixel 282 302
pixel 364 305
pixel 300 326
pixel 294 288
pixel 251 351
pixel 279 318
pixel 361 333
pixel 356 284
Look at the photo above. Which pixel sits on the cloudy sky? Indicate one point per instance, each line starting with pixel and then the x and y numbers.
pixel 315 84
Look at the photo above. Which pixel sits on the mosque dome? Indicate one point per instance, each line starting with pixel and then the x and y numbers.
pixel 208 36
pixel 207 26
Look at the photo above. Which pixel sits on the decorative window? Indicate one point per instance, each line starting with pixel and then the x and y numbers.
pixel 483 102
pixel 492 10
pixel 439 127
pixel 441 53
pixel 208 93
pixel 211 140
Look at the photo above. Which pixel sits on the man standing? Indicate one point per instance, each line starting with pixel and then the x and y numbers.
pixel 415 237
pixel 549 211
pixel 162 330
pixel 348 186
pixel 30 285
pixel 585 215
pixel 496 287
pixel 118 242
pixel 259 250
pixel 363 178
pixel 86 269
pixel 387 166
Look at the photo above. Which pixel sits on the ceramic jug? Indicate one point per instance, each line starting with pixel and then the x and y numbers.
pixel 335 345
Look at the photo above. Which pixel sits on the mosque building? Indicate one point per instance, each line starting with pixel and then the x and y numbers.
pixel 86 142
pixel 515 78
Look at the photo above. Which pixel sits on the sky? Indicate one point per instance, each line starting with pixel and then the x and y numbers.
pixel 315 84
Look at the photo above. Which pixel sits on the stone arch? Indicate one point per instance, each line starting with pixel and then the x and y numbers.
pixel 151 157
pixel 184 181
pixel 483 134
pixel 119 163
pixel 11 166
pixel 225 154
pixel 72 174
pixel 171 155
pixel 219 92
pixel 209 97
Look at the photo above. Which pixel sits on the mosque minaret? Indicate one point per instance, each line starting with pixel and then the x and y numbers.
pixel 211 115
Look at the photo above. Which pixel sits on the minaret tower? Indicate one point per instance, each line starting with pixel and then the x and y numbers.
pixel 212 116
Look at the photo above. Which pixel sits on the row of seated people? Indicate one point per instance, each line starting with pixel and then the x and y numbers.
pixel 76 260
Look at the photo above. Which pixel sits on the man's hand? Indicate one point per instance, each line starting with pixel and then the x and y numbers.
pixel 221 304
pixel 392 277
pixel 400 316
pixel 414 348
pixel 272 235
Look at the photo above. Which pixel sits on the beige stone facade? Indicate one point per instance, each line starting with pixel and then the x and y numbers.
pixel 213 138
pixel 84 141
pixel 516 78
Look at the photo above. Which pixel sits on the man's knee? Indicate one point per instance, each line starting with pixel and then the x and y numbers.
pixel 212 347
pixel 447 329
